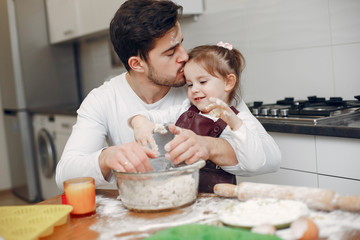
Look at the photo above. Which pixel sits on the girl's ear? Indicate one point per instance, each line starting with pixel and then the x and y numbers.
pixel 136 64
pixel 230 82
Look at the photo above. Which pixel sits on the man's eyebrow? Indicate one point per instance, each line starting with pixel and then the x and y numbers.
pixel 173 47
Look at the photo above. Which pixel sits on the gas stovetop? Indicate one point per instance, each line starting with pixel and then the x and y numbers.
pixel 311 111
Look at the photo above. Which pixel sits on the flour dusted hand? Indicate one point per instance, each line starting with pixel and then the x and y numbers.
pixel 143 131
pixel 220 109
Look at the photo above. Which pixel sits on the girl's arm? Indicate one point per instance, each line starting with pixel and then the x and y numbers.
pixel 143 130
pixel 144 125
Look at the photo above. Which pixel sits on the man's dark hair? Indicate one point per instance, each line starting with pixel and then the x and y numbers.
pixel 138 23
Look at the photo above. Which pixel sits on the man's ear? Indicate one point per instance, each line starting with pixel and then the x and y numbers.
pixel 230 82
pixel 136 64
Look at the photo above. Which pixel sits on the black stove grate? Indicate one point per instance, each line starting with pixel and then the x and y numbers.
pixel 313 106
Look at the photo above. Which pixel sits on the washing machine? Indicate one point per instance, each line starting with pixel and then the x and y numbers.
pixel 51 133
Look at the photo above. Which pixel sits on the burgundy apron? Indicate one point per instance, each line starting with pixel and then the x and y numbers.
pixel 211 174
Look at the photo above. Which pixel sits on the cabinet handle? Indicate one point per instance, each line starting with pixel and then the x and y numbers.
pixel 65 125
pixel 68 32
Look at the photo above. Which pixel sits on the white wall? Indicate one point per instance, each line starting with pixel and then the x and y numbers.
pixel 292 47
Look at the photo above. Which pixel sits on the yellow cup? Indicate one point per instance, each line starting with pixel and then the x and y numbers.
pixel 80 193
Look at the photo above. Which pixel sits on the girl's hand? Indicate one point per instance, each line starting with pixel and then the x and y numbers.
pixel 143 131
pixel 220 109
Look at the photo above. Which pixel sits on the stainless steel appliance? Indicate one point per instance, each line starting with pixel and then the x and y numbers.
pixel 33 74
pixel 311 111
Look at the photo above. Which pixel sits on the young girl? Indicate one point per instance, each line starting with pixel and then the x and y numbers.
pixel 212 75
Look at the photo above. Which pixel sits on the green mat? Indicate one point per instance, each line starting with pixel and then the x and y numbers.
pixel 207 232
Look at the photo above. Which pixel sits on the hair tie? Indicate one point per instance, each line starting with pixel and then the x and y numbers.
pixel 225 45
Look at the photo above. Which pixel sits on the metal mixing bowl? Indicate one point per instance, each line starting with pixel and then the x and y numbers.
pixel 161 190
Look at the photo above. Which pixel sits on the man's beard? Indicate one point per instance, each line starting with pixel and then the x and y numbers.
pixel 165 80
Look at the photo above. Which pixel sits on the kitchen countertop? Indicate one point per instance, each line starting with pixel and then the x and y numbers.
pixel 344 126
pixel 113 221
pixel 56 110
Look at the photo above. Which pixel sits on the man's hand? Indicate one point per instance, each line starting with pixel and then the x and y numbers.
pixel 186 146
pixel 189 147
pixel 128 157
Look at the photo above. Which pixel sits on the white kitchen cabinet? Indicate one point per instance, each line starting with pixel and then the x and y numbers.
pixel 297 150
pixel 191 7
pixel 96 15
pixel 316 161
pixel 338 156
pixel 70 19
pixel 284 177
pixel 298 166
pixel 62 20
pixel 342 186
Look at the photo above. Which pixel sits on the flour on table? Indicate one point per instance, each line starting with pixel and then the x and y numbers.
pixel 115 221
pixel 261 211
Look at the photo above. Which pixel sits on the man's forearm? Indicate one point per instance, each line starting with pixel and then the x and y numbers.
pixel 221 152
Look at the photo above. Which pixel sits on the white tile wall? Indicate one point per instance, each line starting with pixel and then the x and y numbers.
pixel 282 24
pixel 214 27
pixel 347 69
pixel 345 21
pixel 292 47
pixel 298 73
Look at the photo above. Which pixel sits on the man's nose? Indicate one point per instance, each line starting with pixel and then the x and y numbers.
pixel 184 57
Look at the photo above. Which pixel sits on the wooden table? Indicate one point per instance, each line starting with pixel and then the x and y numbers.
pixel 113 221
pixel 80 227
pixel 76 227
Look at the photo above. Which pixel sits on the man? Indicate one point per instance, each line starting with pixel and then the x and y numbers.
pixel 147 37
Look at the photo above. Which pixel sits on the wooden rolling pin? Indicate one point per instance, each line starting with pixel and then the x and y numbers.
pixel 315 198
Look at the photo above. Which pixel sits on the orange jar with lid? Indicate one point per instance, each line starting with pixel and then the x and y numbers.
pixel 80 193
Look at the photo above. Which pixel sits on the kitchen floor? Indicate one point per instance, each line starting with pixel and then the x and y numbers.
pixel 7 198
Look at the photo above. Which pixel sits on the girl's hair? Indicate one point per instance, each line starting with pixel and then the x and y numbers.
pixel 220 62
